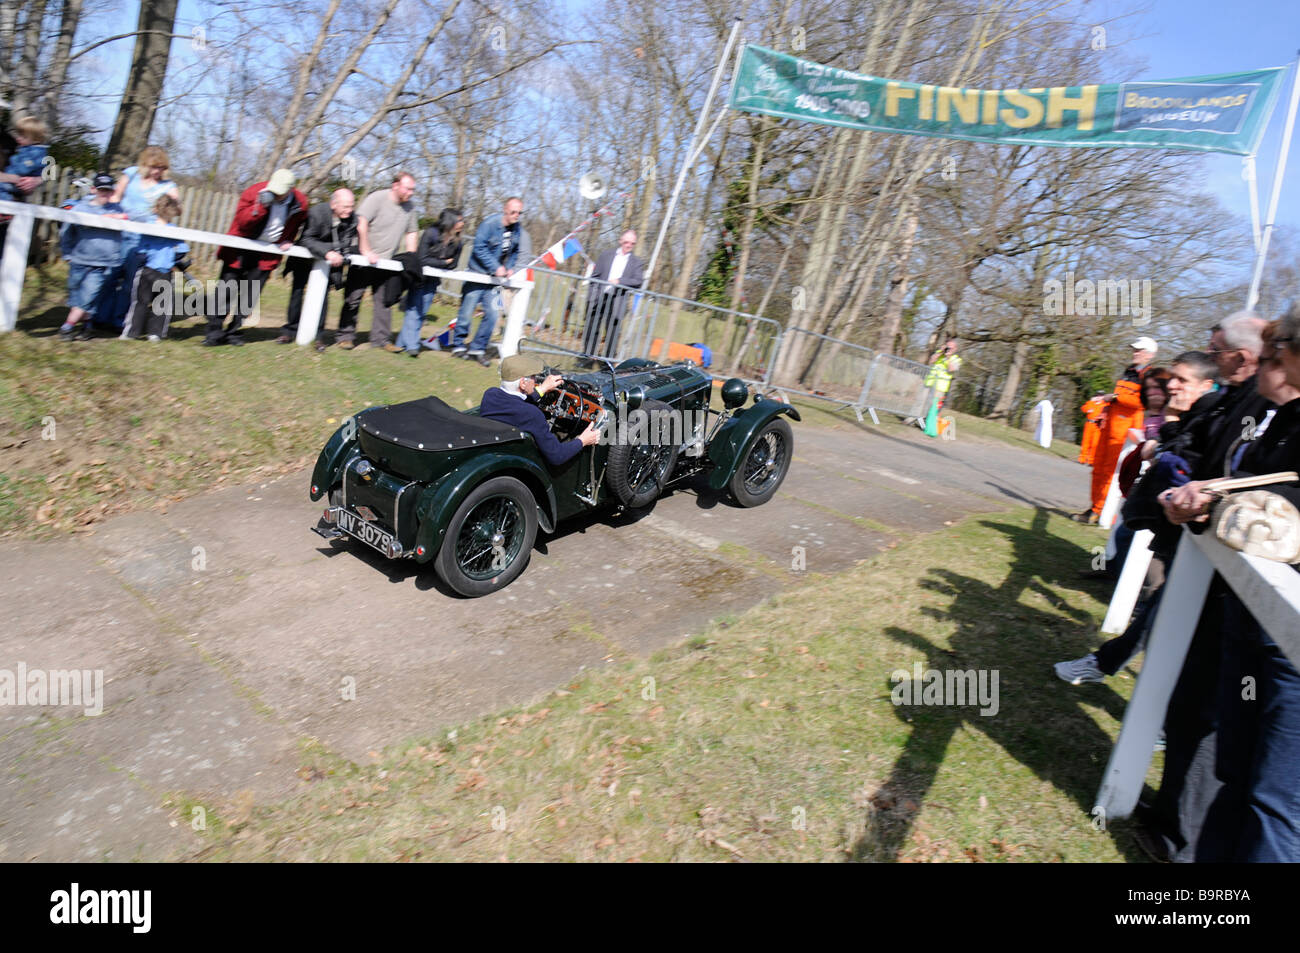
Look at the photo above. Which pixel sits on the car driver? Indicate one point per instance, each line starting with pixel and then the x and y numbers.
pixel 515 403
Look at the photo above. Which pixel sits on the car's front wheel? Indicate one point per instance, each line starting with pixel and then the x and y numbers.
pixel 764 465
pixel 637 472
pixel 490 538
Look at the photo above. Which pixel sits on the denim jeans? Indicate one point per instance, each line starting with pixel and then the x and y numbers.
pixel 1256 816
pixel 470 296
pixel 418 300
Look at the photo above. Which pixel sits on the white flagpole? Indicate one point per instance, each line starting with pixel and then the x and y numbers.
pixel 691 153
pixel 1278 175
pixel 1248 172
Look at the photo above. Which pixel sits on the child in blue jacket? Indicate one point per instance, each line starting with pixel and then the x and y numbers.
pixel 29 158
pixel 91 254
pixel 151 290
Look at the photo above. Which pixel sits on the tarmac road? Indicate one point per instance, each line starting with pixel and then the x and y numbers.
pixel 228 633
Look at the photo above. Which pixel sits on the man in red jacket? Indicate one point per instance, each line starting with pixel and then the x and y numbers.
pixel 274 212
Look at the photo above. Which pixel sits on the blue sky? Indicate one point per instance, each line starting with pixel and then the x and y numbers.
pixel 1179 38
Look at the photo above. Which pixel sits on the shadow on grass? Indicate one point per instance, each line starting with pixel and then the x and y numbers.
pixel 1040 721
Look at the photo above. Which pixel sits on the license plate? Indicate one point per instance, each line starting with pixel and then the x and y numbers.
pixel 368 533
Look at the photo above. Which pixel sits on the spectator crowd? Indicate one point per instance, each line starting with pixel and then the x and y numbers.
pixel 1228 789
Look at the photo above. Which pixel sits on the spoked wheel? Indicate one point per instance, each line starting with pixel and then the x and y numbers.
pixel 638 473
pixel 765 464
pixel 490 539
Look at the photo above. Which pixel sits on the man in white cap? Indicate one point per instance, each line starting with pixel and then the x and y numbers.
pixel 272 211
pixel 1144 352
pixel 515 403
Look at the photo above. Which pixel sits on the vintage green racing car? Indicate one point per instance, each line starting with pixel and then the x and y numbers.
pixel 420 480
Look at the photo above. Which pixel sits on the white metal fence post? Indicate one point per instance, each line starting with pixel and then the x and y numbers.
pixel 515 318
pixel 1130 583
pixel 1171 634
pixel 318 282
pixel 14 267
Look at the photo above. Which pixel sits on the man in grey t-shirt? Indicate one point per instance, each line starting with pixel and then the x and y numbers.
pixel 386 225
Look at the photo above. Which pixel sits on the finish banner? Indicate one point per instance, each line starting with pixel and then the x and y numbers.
pixel 1224 113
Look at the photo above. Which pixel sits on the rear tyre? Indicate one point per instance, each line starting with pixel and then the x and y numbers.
pixel 764 465
pixel 489 539
pixel 638 472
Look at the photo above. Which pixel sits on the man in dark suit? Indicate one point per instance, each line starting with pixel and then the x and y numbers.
pixel 620 270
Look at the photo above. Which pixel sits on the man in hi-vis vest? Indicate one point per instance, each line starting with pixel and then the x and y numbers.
pixel 943 365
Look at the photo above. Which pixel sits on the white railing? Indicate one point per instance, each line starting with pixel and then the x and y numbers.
pixel 1271 590
pixel 13 269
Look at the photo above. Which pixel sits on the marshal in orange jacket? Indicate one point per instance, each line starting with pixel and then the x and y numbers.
pixel 1093 409
pixel 1122 413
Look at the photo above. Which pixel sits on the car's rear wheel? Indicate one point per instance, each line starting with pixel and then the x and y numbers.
pixel 638 472
pixel 764 465
pixel 489 539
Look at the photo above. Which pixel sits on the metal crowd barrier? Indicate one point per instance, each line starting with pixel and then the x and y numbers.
pixel 852 376
pixel 740 345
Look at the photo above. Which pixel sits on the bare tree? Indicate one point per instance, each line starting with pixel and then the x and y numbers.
pixel 144 84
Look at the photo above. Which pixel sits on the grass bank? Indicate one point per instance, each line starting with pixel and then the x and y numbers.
pixel 770 737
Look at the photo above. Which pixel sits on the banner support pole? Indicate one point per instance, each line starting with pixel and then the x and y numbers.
pixel 691 153
pixel 1278 174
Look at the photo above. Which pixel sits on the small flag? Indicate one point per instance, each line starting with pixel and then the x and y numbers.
pixel 557 253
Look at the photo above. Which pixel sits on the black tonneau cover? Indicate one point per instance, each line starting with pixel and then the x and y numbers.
pixel 431 424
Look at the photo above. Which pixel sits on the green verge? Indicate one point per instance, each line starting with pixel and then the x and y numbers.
pixel 770 737
pixel 90 429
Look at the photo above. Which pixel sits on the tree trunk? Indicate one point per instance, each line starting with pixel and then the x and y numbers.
pixel 58 75
pixel 8 52
pixel 24 87
pixel 144 83
pixel 898 278
pixel 300 84
pixel 1007 399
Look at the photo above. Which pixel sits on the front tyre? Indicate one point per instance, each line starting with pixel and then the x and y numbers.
pixel 764 464
pixel 638 472
pixel 489 539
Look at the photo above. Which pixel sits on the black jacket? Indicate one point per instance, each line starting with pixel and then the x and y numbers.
pixel 435 253
pixel 321 235
pixel 1213 434
pixel 398 283
pixel 1277 449
pixel 1203 437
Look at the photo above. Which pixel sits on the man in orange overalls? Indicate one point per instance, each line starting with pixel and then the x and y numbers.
pixel 1123 412
pixel 1093 409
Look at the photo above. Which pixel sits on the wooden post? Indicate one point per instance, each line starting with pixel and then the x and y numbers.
pixel 13 269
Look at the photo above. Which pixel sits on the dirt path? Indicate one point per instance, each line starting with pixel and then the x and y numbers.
pixel 228 633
